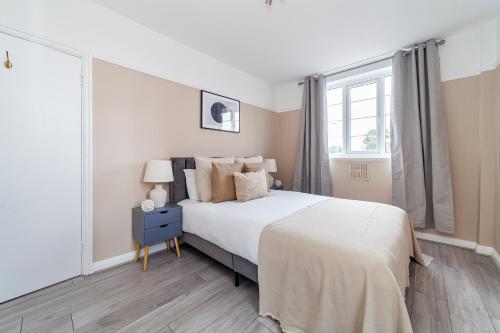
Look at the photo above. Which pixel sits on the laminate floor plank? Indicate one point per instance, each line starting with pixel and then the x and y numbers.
pixel 134 310
pixel 466 308
pixel 257 327
pixel 159 319
pixel 11 325
pixel 487 278
pixel 429 280
pixel 62 324
pixel 40 298
pixel 237 318
pixel 270 323
pixel 430 314
pixel 152 283
pixel 454 257
pixel 85 298
pixel 210 310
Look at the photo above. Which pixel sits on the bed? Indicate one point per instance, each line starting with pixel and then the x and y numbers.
pixel 323 264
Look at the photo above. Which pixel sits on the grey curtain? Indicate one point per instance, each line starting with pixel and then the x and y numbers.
pixel 421 178
pixel 312 168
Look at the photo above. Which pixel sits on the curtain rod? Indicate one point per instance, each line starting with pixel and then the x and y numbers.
pixel 371 61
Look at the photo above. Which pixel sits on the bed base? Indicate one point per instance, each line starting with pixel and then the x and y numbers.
pixel 178 192
pixel 239 265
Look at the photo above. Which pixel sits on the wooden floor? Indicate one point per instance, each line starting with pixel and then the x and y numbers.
pixel 458 292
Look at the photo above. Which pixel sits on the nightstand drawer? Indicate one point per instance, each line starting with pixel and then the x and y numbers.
pixel 158 234
pixel 162 218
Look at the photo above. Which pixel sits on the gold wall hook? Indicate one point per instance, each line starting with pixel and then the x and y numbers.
pixel 7 63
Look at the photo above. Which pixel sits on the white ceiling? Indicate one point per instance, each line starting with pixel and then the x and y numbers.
pixel 295 38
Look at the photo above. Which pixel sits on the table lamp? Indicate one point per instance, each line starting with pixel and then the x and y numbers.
pixel 271 167
pixel 158 171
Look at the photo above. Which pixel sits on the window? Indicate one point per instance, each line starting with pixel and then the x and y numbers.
pixel 359 115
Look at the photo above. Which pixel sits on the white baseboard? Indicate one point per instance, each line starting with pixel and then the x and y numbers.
pixel 124 258
pixel 484 250
pixel 480 249
pixel 447 240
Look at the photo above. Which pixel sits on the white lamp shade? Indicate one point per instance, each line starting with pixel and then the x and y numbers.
pixel 158 171
pixel 271 165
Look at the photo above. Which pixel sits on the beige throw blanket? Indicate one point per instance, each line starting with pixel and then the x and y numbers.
pixel 338 266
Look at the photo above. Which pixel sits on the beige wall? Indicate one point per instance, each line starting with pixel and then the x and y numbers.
pixel 377 188
pixel 470 111
pixel 138 117
pixel 488 145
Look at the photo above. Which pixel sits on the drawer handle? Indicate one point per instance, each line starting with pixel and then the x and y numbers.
pixel 164 212
pixel 163 226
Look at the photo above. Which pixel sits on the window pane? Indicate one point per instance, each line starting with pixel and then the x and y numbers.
pixel 387 85
pixel 387 133
pixel 335 120
pixel 363 109
pixel 334 96
pixel 335 112
pixel 387 112
pixel 366 91
pixel 335 135
pixel 363 125
pixel 364 134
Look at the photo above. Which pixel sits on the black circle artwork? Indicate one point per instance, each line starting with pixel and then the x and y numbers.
pixel 217 110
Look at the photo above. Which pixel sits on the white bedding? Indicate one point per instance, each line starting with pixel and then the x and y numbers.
pixel 236 226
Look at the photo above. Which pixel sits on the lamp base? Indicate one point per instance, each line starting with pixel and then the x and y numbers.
pixel 158 195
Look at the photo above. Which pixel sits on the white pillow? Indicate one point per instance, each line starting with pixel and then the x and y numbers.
pixel 255 159
pixel 191 184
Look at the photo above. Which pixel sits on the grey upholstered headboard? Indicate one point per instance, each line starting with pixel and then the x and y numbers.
pixel 177 189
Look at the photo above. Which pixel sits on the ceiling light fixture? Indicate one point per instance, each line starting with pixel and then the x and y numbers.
pixel 269 2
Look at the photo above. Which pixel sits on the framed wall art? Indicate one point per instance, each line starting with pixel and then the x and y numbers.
pixel 219 112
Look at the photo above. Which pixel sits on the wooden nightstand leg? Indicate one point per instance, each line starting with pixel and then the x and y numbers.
pixel 176 242
pixel 137 250
pixel 146 252
pixel 168 244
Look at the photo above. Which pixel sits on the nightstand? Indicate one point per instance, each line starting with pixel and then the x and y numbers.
pixel 161 224
pixel 274 187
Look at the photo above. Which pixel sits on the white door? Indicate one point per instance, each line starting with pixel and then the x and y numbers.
pixel 40 167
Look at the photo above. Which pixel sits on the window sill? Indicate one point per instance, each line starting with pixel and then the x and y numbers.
pixel 361 157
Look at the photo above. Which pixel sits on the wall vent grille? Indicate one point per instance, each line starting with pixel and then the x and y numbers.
pixel 360 171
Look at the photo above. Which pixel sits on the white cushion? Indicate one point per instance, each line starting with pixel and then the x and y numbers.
pixel 255 159
pixel 191 184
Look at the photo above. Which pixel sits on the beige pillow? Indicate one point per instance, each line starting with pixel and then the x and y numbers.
pixel 204 175
pixel 223 181
pixel 255 159
pixel 250 185
pixel 253 167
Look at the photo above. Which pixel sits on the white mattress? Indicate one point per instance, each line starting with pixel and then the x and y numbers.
pixel 236 226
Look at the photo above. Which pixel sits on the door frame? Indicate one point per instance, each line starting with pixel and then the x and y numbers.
pixel 86 114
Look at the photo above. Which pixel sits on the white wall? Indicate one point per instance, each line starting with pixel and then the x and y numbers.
pixel 86 26
pixel 467 52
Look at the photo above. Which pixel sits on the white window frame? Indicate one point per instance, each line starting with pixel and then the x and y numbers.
pixel 377 76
